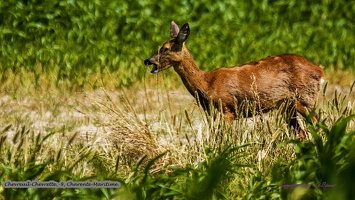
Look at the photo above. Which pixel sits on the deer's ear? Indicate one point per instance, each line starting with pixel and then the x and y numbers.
pixel 174 30
pixel 183 34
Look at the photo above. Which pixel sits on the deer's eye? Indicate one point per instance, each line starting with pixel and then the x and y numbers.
pixel 162 50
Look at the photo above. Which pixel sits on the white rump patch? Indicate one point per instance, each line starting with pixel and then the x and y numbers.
pixel 321 81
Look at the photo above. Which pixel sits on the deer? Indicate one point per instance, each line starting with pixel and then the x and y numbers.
pixel 269 82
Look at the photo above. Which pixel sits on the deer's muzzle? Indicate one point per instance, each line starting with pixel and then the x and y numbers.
pixel 155 66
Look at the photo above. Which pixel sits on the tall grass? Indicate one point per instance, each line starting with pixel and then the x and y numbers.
pixel 318 169
pixel 274 164
pixel 160 149
pixel 26 155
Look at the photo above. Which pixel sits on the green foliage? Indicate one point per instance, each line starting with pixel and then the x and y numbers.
pixel 205 181
pixel 322 169
pixel 216 167
pixel 76 38
pixel 31 156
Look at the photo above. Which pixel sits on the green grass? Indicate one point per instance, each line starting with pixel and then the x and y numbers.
pixel 76 39
pixel 157 142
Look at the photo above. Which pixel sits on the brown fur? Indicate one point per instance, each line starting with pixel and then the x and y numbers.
pixel 268 82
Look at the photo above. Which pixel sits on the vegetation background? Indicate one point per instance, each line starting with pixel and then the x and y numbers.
pixel 76 102
pixel 74 39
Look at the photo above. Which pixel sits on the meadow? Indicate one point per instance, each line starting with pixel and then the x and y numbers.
pixel 77 103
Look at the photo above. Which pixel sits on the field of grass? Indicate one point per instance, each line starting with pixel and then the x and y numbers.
pixel 154 140
pixel 76 102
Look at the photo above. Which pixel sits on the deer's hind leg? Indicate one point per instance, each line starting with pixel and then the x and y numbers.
pixel 291 119
pixel 306 103
pixel 229 116
pixel 304 110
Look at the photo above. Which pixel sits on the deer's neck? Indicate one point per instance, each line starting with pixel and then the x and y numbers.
pixel 193 78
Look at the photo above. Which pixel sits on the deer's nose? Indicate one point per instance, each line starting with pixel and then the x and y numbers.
pixel 147 62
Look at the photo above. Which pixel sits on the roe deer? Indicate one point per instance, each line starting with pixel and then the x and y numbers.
pixel 268 82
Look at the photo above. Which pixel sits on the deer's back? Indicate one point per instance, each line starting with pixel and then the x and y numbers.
pixel 269 80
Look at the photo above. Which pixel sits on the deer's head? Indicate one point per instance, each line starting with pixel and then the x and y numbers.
pixel 169 54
